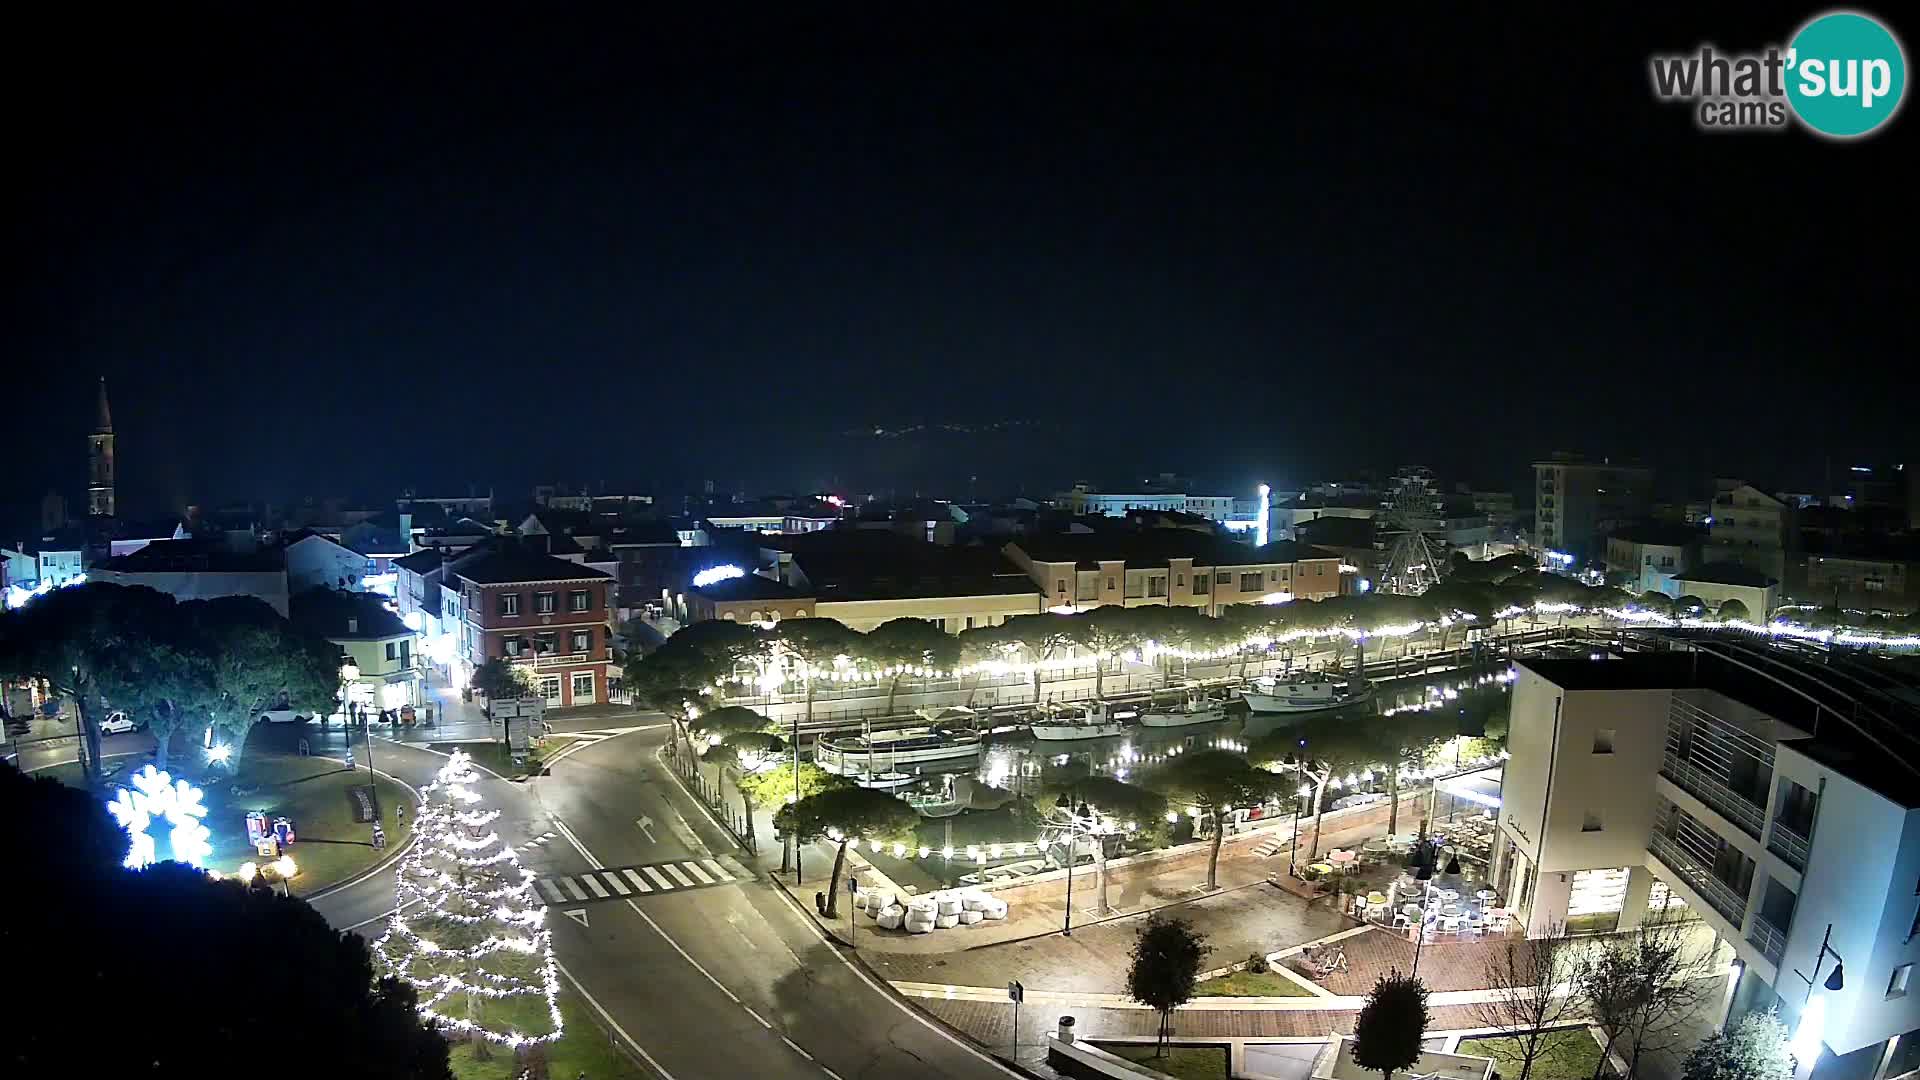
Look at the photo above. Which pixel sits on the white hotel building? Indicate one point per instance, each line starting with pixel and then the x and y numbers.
pixel 1776 795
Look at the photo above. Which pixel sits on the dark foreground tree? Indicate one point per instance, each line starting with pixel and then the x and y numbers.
pixel 1533 985
pixel 202 971
pixel 1165 967
pixel 847 815
pixel 1216 781
pixel 1387 1033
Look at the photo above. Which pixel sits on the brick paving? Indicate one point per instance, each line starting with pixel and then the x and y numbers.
pixel 991 1023
pixel 1444 965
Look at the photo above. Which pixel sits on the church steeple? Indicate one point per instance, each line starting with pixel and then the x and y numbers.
pixel 100 459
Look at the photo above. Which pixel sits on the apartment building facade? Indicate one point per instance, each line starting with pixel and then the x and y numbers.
pixel 1751 527
pixel 1171 567
pixel 1577 502
pixel 538 611
pixel 1755 791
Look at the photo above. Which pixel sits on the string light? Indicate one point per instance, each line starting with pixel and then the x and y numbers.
pixel 446 894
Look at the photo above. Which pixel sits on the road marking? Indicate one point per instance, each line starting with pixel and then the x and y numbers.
pixel 593 884
pixel 678 876
pixel 757 1016
pixel 699 873
pixel 646 826
pixel 573 889
pixel 658 878
pixel 637 881
pixel 578 915
pixel 619 886
pixel 553 895
pixel 796 1047
pixel 615 1025
pixel 716 870
pixel 830 1072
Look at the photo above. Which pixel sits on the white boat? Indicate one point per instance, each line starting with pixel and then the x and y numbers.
pixel 886 781
pixel 1097 721
pixel 855 755
pixel 1305 692
pixel 1196 709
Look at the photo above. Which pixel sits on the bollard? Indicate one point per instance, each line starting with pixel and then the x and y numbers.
pixel 1066 1029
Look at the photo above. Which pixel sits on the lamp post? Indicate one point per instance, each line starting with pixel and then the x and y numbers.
pixel 1807 1037
pixel 1425 875
pixel 350 674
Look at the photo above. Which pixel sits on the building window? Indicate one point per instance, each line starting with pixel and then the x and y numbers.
pixel 550 688
pixel 1180 579
pixel 1110 584
pixel 1157 585
pixel 393 650
pixel 544 603
pixel 582 641
pixel 582 687
pixel 1199 583
pixel 1060 586
pixel 513 645
pixel 406 654
pixel 1250 582
pixel 1590 822
pixel 509 603
pixel 1897 986
pixel 579 600
pixel 544 643
pixel 1603 741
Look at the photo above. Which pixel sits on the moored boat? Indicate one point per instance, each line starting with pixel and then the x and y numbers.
pixel 852 755
pixel 1099 720
pixel 1305 692
pixel 1196 708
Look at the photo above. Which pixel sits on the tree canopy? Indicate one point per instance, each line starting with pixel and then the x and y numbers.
pixel 500 678
pixel 847 814
pixel 1165 966
pixel 257 959
pixel 1214 781
pixel 1387 1033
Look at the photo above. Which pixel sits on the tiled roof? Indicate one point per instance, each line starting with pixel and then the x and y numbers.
pixel 508 563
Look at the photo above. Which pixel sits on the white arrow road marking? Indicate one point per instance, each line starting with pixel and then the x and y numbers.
pixel 646 826
pixel 578 915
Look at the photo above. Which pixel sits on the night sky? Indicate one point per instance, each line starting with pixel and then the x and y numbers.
pixel 336 250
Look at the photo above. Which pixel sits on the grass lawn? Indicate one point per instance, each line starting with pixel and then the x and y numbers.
pixel 494 755
pixel 584 1049
pixel 1246 984
pixel 1570 1054
pixel 1182 1062
pixel 312 792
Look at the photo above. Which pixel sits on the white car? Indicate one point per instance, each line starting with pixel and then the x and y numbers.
pixel 118 723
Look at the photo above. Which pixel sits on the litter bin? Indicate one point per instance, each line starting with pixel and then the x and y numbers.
pixel 1066 1029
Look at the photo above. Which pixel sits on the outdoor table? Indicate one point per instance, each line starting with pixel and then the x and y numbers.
pixel 1341 857
pixel 1450 894
pixel 1451 911
pixel 1411 911
pixel 1377 899
pixel 1321 868
pixel 1487 895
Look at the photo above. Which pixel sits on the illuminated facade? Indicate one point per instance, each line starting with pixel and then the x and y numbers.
pixel 541 612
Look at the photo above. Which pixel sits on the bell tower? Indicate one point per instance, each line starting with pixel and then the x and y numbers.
pixel 100 459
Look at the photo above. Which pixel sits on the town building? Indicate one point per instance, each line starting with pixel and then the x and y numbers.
pixel 1770 795
pixel 201 570
pixel 864 578
pixel 1869 574
pixel 1751 527
pixel 520 604
pixel 55 558
pixel 1718 582
pixel 379 645
pixel 1083 501
pixel 100 468
pixel 1578 502
pixel 1079 571
pixel 318 561
pixel 1645 557
pixel 748 598
pixel 1287 517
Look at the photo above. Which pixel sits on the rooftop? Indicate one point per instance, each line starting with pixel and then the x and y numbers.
pixel 345 616
pixel 196 556
pixel 1660 532
pixel 1727 573
pixel 507 562
pixel 1155 547
pixel 749 587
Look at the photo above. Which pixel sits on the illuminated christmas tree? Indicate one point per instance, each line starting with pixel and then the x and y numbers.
pixel 465 931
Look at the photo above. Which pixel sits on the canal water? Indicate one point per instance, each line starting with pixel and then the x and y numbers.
pixel 1015 768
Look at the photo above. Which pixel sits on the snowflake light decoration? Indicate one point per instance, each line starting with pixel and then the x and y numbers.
pixel 155 794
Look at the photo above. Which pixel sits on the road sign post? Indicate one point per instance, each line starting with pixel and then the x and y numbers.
pixel 1016 993
pixel 853 893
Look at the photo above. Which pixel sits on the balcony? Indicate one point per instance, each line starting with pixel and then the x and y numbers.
pixel 1723 898
pixel 1768 938
pixel 555 659
pixel 1788 843
pixel 1725 801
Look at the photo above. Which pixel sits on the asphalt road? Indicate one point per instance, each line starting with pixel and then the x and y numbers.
pixel 726 979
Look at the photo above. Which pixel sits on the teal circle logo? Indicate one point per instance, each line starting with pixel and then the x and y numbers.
pixel 1846 74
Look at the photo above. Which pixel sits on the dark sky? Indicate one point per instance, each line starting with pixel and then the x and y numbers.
pixel 337 249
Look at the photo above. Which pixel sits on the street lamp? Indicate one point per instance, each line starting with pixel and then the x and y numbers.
pixel 1808 1036
pixel 1423 874
pixel 350 674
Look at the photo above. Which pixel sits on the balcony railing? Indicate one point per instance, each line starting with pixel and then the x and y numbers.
pixel 1723 897
pixel 1729 803
pixel 555 659
pixel 1789 844
pixel 1768 938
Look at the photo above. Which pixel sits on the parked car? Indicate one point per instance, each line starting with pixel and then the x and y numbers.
pixel 118 723
pixel 283 716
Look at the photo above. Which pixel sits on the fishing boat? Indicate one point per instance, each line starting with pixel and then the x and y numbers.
pixel 1196 708
pixel 886 781
pixel 944 801
pixel 1098 720
pixel 856 755
pixel 1305 692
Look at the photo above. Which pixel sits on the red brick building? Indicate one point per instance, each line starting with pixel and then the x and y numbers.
pixel 542 612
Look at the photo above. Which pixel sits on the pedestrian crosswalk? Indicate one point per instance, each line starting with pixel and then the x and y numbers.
pixel 625 882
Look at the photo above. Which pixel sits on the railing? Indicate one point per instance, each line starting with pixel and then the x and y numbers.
pixel 1722 896
pixel 1729 803
pixel 1769 939
pixel 1789 844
